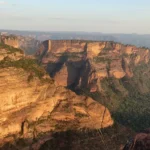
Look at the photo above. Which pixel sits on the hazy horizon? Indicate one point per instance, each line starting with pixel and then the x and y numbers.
pixel 108 17
pixel 90 32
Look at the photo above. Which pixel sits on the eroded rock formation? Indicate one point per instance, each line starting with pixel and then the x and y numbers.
pixel 80 64
pixel 32 104
pixel 28 44
pixel 10 40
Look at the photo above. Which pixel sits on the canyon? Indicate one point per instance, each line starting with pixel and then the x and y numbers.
pixel 83 64
pixel 73 89
pixel 33 104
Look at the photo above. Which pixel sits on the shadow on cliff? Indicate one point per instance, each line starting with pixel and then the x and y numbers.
pixel 42 51
pixel 77 71
pixel 53 68
pixel 82 69
pixel 131 113
pixel 81 74
pixel 131 110
pixel 135 121
pixel 104 139
pixel 75 75
pixel 8 146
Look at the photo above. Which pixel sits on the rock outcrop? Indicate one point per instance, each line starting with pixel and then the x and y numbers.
pixel 38 102
pixel 10 40
pixel 28 44
pixel 33 105
pixel 38 105
pixel 10 52
pixel 80 64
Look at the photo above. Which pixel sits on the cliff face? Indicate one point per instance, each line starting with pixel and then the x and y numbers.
pixel 83 64
pixel 10 52
pixel 116 75
pixel 33 105
pixel 28 44
pixel 104 74
pixel 10 40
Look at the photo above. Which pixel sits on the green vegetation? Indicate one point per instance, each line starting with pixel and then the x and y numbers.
pixel 108 46
pixel 64 56
pixel 11 36
pixel 107 49
pixel 143 47
pixel 128 99
pixel 101 59
pixel 65 125
pixel 104 139
pixel 29 65
pixel 125 55
pixel 134 112
pixel 66 107
pixel 80 104
pixel 10 49
pixel 60 125
pixel 80 115
pixel 133 55
pixel 30 77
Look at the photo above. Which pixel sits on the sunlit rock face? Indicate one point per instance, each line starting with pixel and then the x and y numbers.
pixel 94 48
pixel 33 105
pixel 28 44
pixel 10 40
pixel 30 102
pixel 80 64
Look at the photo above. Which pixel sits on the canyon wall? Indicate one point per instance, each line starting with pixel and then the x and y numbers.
pixel 34 105
pixel 84 63
pixel 28 44
pixel 10 40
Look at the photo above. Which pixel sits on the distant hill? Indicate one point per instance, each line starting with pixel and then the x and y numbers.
pixel 133 39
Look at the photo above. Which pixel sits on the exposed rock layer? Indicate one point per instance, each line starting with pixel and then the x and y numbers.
pixel 10 40
pixel 31 106
pixel 81 63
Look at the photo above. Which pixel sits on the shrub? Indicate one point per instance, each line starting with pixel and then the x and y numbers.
pixel 10 49
pixel 80 115
pixel 29 65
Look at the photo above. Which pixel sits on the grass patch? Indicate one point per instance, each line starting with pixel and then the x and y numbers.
pixel 10 49
pixel 80 115
pixel 29 65
pixel 101 59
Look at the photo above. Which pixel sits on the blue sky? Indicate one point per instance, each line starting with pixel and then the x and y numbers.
pixel 107 16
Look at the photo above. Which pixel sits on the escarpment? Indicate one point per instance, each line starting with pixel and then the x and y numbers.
pixel 28 44
pixel 32 105
pixel 66 98
pixel 10 40
pixel 81 64
pixel 113 74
